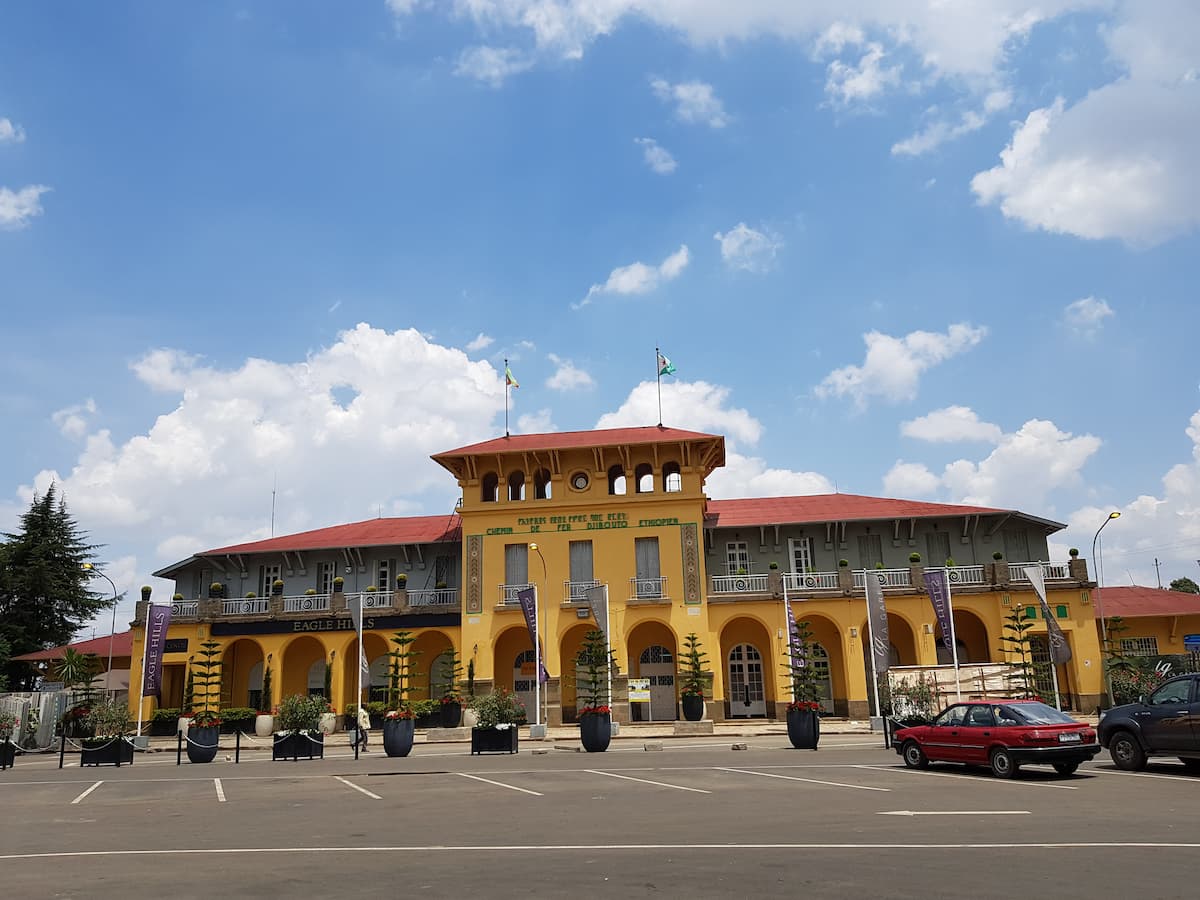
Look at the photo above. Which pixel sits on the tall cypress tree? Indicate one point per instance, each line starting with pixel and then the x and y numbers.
pixel 44 591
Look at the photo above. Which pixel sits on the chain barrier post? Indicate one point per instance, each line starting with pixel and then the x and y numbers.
pixel 237 748
pixel 62 748
pixel 357 739
pixel 179 747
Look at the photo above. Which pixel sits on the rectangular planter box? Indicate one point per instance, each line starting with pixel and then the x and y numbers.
pixel 429 720
pixel 232 726
pixel 109 752
pixel 298 746
pixel 494 740
pixel 159 728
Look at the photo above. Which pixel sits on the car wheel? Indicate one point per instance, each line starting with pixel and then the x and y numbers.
pixel 1126 752
pixel 914 756
pixel 1066 768
pixel 1003 765
pixel 1191 764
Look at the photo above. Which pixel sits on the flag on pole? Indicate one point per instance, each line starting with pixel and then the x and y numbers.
pixel 527 598
pixel 598 600
pixel 939 596
pixel 509 379
pixel 877 615
pixel 665 366
pixel 159 619
pixel 1060 651
pixel 354 606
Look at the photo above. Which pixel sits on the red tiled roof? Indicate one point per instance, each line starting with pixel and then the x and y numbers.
pixel 569 440
pixel 829 508
pixel 122 645
pixel 371 533
pixel 1137 602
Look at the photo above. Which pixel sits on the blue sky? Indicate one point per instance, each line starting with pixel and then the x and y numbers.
pixel 905 248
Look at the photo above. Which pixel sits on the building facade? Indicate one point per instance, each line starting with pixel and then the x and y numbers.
pixel 623 509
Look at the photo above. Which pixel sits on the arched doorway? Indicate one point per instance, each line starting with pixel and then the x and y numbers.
pixel 747 689
pixel 374 682
pixel 430 647
pixel 574 675
pixel 970 635
pixel 830 659
pixel 241 674
pixel 303 663
pixel 652 652
pixel 902 651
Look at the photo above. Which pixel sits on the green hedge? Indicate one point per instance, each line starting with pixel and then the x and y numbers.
pixel 238 714
pixel 165 715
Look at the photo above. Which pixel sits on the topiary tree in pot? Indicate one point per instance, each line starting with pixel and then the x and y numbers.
pixel 803 712
pixel 398 724
pixel 205 726
pixel 595 714
pixel 691 692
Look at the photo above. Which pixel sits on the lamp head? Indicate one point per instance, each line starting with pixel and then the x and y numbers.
pixel 533 545
pixel 87 567
pixel 1114 515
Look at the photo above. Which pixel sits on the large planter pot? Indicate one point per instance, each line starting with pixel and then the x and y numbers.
pixel 233 726
pixel 328 723
pixel 804 728
pixel 451 715
pixel 203 743
pixel 470 718
pixel 397 736
pixel 8 754
pixel 595 730
pixel 693 707
pixel 298 745
pixel 494 740
pixel 429 720
pixel 106 752
pixel 264 725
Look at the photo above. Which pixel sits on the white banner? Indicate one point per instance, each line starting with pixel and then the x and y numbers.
pixel 1060 651
pixel 881 643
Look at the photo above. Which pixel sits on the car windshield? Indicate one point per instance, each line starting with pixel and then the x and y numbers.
pixel 1037 714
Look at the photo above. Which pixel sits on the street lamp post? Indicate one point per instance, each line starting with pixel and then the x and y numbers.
pixel 91 569
pixel 1100 610
pixel 539 726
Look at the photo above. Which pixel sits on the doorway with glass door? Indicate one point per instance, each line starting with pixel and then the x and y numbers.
pixel 747 699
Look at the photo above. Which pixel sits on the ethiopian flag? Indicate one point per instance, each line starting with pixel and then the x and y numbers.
pixel 509 379
pixel 665 366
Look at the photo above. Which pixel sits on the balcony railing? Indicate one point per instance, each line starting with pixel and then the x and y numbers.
pixel 961 575
pixel 811 581
pixel 434 597
pixel 1050 571
pixel 576 591
pixel 653 588
pixel 889 578
pixel 739 584
pixel 185 609
pixel 508 593
pixel 306 603
pixel 246 607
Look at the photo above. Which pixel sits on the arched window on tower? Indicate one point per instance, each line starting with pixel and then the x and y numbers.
pixel 643 477
pixel 490 491
pixel 672 479
pixel 541 484
pixel 616 480
pixel 516 485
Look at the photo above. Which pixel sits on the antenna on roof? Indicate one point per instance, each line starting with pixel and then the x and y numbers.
pixel 274 483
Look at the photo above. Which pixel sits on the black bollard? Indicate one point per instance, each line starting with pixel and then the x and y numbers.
pixel 62 749
pixel 237 748
pixel 179 747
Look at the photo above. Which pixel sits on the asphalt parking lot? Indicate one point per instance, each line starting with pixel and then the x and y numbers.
pixel 694 819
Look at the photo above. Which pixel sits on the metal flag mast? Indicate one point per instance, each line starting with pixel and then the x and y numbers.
pixel 507 379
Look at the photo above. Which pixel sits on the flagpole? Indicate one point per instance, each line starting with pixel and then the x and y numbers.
pixel 537 661
pixel 953 640
pixel 506 396
pixel 658 378
pixel 359 665
pixel 871 651
pixel 142 674
pixel 608 661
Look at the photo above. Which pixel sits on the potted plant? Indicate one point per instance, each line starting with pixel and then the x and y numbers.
pixel 427 713
pixel 339 584
pixel 401 582
pixel 264 722
pixel 772 565
pixel 803 712
pixel 310 592
pixel 1073 553
pixel 692 691
pixel 237 718
pixel 216 591
pixel 8 750
pixel 146 590
pixel 914 558
pixel 451 700
pixel 595 715
pixel 277 587
pixel 299 732
pixel 250 595
pixel 401 669
pixel 164 722
pixel 398 732
pixel 498 714
pixel 108 720
pixel 204 729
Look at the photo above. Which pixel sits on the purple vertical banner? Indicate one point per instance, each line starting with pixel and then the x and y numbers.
pixel 939 595
pixel 795 647
pixel 527 598
pixel 158 620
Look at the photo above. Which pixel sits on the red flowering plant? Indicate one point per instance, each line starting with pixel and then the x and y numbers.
pixel 403 712
pixel 811 705
pixel 206 718
pixel 451 697
pixel 602 710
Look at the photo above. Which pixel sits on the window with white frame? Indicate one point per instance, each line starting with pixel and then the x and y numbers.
pixel 737 557
pixel 267 576
pixel 1139 646
pixel 516 563
pixel 383 575
pixel 800 554
pixel 325 577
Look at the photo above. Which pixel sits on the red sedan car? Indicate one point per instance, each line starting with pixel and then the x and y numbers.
pixel 1003 734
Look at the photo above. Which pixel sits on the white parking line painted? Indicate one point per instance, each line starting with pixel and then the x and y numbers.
pixel 511 787
pixel 975 778
pixel 956 812
pixel 361 790
pixel 220 790
pixel 85 793
pixel 662 784
pixel 856 787
pixel 1192 778
pixel 1139 846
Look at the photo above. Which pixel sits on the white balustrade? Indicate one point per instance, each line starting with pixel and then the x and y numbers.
pixel 185 609
pixel 739 584
pixel 653 588
pixel 889 578
pixel 811 581
pixel 306 603
pixel 253 606
pixel 434 597
pixel 508 593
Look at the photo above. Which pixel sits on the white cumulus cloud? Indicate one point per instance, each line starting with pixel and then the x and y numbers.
pixel 638 278
pixel 893 365
pixel 942 130
pixel 949 425
pixel 848 83
pixel 481 341
pixel 746 248
pixel 17 208
pixel 658 158
pixel 694 102
pixel 567 376
pixel 1086 316
pixel 72 421
pixel 492 65
pixel 11 132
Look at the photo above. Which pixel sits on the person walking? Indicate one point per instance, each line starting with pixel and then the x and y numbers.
pixel 364 725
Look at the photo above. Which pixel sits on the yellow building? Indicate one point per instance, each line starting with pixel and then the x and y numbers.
pixel 623 508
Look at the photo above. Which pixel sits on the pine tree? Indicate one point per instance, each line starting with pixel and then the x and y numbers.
pixel 1016 644
pixel 800 667
pixel 44 593
pixel 207 681
pixel 401 670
